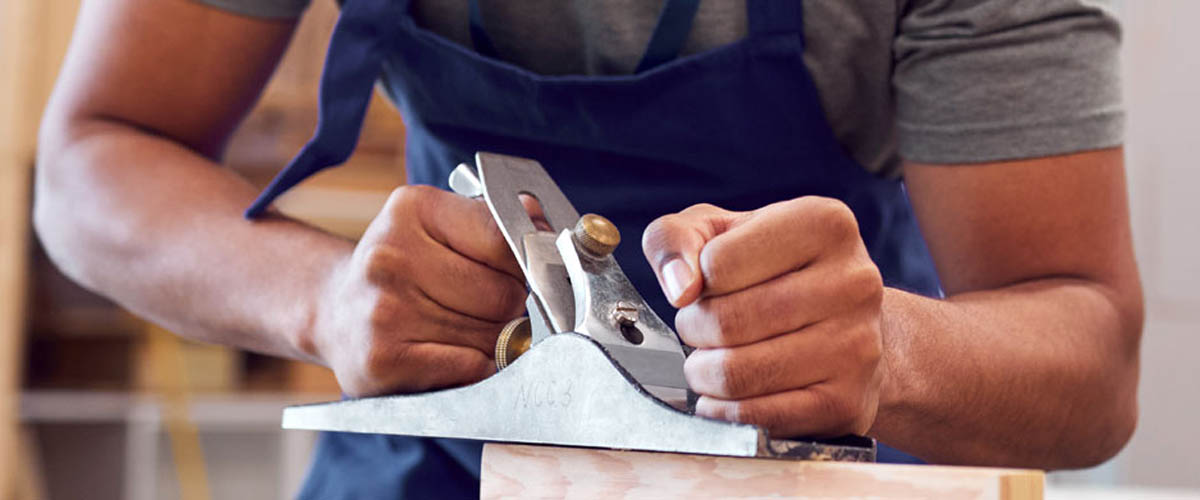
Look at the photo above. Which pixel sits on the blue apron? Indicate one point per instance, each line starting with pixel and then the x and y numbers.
pixel 739 126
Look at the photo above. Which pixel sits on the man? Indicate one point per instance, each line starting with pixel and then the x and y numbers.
pixel 756 146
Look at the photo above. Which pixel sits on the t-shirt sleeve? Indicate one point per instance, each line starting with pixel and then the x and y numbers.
pixel 261 8
pixel 987 80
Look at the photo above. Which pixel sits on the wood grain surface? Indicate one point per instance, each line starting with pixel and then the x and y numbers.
pixel 520 471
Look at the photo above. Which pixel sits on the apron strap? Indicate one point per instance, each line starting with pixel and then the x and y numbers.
pixel 355 59
pixel 670 33
pixel 768 17
pixel 479 37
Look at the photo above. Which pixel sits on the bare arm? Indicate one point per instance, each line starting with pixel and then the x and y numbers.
pixel 1032 359
pixel 131 202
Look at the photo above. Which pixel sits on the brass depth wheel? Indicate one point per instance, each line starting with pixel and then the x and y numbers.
pixel 514 340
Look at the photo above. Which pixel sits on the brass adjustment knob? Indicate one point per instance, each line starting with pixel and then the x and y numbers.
pixel 514 340
pixel 597 235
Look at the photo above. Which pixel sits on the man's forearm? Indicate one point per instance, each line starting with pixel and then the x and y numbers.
pixel 1037 374
pixel 158 228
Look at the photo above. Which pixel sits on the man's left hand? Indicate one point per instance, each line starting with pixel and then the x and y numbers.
pixel 783 305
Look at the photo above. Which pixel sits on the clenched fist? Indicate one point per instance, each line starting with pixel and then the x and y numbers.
pixel 420 301
pixel 783 307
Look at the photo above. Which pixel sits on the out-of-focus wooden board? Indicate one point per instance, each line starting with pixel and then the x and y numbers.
pixel 520 471
pixel 32 40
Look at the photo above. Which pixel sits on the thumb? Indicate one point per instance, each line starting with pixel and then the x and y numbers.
pixel 672 245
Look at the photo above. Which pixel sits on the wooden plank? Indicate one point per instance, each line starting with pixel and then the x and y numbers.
pixel 30 482
pixel 520 471
pixel 32 40
pixel 16 146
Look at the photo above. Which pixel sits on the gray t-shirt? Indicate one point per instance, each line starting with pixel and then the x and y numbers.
pixel 932 81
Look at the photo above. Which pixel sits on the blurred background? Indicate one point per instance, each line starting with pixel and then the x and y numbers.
pixel 95 403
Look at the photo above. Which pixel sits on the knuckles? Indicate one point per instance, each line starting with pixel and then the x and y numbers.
pixel 661 231
pixel 842 414
pixel 714 325
pixel 758 412
pixel 712 322
pixel 735 378
pixel 703 373
pixel 407 206
pixel 868 347
pixel 409 198
pixel 712 264
pixel 382 263
pixel 753 414
pixel 865 287
pixel 703 209
pixel 729 321
pixel 385 267
pixel 509 300
pixel 718 373
pixel 863 281
pixel 840 409
pixel 385 314
pixel 397 223
pixel 383 358
pixel 834 216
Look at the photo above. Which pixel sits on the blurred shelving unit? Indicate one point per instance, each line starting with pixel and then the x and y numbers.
pixel 94 402
pixel 98 438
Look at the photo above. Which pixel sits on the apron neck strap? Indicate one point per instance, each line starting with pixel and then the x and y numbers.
pixel 479 37
pixel 670 33
pixel 357 49
pixel 767 17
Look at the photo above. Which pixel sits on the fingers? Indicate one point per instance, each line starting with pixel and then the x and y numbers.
pixel 422 299
pixel 414 317
pixel 783 304
pixel 710 251
pixel 422 366
pixel 536 213
pixel 817 411
pixel 776 239
pixel 454 282
pixel 459 223
pixel 672 244
pixel 387 313
pixel 786 362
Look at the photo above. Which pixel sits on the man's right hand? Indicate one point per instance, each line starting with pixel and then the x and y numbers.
pixel 419 303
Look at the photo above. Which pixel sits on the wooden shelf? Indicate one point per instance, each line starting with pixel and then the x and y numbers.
pixel 114 444
pixel 229 410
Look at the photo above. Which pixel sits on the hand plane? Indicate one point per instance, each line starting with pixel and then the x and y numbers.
pixel 591 366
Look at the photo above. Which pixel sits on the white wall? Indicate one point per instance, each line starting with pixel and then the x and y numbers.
pixel 1161 65
pixel 1162 79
